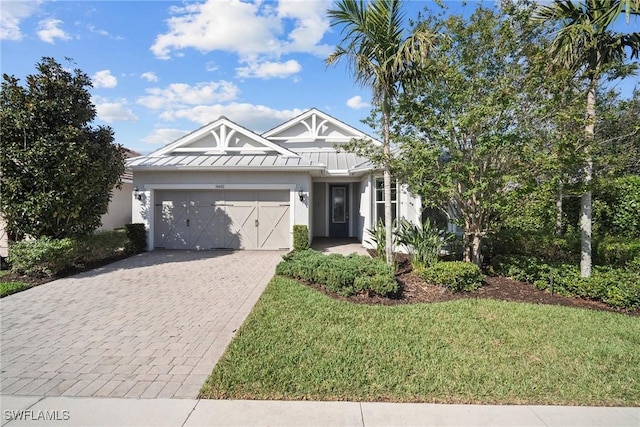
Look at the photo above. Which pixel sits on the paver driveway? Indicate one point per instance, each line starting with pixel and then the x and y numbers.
pixel 153 325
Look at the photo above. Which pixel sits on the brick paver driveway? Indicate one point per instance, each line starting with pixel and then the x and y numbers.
pixel 153 325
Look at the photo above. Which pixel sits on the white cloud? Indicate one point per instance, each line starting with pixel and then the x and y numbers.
pixel 258 118
pixel 164 136
pixel 246 28
pixel 11 14
pixel 357 103
pixel 180 95
pixel 102 32
pixel 269 69
pixel 114 111
pixel 49 30
pixel 104 79
pixel 149 76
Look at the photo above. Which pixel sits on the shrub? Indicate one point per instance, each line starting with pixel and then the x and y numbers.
pixel 422 242
pixel 344 275
pixel 50 257
pixel 614 286
pixel 137 235
pixel 455 275
pixel 618 252
pixel 300 237
pixel 539 245
pixel 101 246
pixel 616 206
pixel 42 257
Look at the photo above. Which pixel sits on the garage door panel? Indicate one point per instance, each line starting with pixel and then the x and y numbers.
pixel 273 230
pixel 234 219
pixel 243 225
pixel 171 230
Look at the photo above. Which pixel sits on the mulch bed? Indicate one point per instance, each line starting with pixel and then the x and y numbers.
pixel 414 290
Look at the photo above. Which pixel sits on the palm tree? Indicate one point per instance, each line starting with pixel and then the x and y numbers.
pixel 381 58
pixel 585 43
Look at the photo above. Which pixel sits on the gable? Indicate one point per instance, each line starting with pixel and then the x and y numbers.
pixel 313 130
pixel 222 137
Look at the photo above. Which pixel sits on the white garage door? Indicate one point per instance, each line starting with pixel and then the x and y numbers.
pixel 229 219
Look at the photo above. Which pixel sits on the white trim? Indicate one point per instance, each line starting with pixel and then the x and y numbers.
pixel 281 168
pixel 223 124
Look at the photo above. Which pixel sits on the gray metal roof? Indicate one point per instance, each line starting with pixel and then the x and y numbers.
pixel 230 161
pixel 334 160
pixel 329 161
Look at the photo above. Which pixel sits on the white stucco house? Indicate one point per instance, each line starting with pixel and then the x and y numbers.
pixel 224 186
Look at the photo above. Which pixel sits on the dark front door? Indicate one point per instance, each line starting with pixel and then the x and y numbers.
pixel 339 210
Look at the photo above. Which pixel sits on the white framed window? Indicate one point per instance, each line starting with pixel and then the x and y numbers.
pixel 379 199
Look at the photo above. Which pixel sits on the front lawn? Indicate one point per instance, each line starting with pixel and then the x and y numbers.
pixel 301 344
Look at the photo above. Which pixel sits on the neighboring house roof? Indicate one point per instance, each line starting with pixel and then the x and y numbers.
pixel 306 142
pixel 128 154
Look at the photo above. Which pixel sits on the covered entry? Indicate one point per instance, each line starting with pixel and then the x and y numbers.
pixel 222 219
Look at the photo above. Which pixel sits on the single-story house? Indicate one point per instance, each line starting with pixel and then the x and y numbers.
pixel 224 186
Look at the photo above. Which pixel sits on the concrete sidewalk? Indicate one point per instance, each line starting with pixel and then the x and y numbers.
pixel 79 411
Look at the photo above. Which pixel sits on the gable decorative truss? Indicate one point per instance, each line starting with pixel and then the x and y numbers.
pixel 221 137
pixel 319 126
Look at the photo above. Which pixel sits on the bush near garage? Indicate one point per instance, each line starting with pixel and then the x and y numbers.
pixel 47 257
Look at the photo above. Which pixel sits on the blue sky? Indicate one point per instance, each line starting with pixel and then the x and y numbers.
pixel 162 68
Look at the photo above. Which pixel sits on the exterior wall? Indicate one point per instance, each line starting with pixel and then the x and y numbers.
pixel 410 206
pixel 319 209
pixel 119 212
pixel 365 219
pixel 4 242
pixel 149 182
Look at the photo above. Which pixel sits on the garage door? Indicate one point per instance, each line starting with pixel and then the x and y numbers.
pixel 229 219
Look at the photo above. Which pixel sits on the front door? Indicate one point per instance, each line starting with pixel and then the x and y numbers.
pixel 339 210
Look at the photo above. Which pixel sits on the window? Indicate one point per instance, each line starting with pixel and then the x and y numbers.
pixel 379 202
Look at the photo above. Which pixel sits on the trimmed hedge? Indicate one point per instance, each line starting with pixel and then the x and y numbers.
pixel 50 257
pixel 344 275
pixel 539 245
pixel 137 235
pixel 300 237
pixel 455 275
pixel 614 286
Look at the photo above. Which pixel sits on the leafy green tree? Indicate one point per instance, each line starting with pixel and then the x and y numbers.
pixel 466 134
pixel 57 172
pixel 586 44
pixel 381 57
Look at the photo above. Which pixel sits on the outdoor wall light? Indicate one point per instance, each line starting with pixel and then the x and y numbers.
pixel 136 193
pixel 301 194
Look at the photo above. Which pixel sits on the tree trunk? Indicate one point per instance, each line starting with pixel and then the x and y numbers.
pixel 476 249
pixel 388 226
pixel 585 205
pixel 559 197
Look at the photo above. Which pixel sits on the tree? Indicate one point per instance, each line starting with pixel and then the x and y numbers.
pixel 56 170
pixel 381 58
pixel 585 43
pixel 466 123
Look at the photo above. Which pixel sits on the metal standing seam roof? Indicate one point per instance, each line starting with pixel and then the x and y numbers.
pixel 328 160
pixel 220 161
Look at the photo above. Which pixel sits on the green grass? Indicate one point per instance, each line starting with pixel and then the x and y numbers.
pixel 300 344
pixel 8 288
